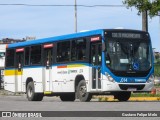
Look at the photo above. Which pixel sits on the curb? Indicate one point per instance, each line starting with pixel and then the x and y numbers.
pixel 111 98
pixel 144 99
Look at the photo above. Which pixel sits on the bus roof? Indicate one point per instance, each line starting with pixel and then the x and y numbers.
pixel 65 37
pixel 57 38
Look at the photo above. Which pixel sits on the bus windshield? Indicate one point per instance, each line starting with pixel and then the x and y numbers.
pixel 128 55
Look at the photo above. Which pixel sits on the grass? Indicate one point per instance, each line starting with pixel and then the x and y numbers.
pixel 144 95
pixel 157 70
pixel 157 85
pixel 101 99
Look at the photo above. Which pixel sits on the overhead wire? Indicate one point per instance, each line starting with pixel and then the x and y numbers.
pixel 43 5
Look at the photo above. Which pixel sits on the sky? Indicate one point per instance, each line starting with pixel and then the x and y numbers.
pixel 20 21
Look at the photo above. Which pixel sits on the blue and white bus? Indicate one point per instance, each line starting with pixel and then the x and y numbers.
pixel 80 65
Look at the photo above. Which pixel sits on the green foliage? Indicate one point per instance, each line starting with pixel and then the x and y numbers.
pixel 157 56
pixel 155 8
pixel 158 61
pixel 157 70
pixel 143 5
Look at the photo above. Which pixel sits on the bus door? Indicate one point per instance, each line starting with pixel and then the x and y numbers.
pixel 48 51
pixel 96 54
pixel 19 69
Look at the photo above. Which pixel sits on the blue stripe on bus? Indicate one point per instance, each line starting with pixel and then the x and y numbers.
pixel 58 38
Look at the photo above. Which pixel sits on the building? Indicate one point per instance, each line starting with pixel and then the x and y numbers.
pixel 157 53
pixel 2 62
pixel 11 40
pixel 2 55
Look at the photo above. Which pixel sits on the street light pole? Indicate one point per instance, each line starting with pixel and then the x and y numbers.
pixel 75 13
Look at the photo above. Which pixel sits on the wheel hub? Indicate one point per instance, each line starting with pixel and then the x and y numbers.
pixel 30 92
pixel 82 91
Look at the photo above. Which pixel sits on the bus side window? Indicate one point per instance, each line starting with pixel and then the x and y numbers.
pixel 78 49
pixel 10 58
pixel 99 54
pixel 73 50
pixel 27 54
pixel 81 49
pixel 63 51
pixel 35 55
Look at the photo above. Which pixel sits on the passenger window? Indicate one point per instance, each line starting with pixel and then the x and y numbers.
pixel 27 54
pixel 63 51
pixel 10 58
pixel 78 51
pixel 35 55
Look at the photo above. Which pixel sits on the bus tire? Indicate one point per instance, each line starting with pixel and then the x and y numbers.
pixel 122 96
pixel 31 95
pixel 67 97
pixel 82 93
pixel 39 96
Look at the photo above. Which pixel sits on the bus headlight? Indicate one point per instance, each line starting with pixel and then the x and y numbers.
pixel 151 79
pixel 109 77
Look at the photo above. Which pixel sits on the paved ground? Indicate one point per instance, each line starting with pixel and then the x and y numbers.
pixel 20 103
pixel 54 104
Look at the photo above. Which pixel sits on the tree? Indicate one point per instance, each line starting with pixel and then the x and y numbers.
pixel 145 7
pixel 157 56
pixel 152 6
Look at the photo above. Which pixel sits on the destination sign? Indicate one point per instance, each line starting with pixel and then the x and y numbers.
pixel 126 35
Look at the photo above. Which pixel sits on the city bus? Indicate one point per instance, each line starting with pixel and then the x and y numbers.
pixel 79 65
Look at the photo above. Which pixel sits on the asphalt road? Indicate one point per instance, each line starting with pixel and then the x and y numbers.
pixel 20 103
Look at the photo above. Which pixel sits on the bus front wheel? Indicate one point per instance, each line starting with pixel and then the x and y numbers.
pixel 31 95
pixel 82 93
pixel 122 96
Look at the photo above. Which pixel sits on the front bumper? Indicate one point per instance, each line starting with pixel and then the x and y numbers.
pixel 114 86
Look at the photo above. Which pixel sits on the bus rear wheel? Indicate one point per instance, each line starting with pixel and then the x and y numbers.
pixel 67 97
pixel 122 96
pixel 82 93
pixel 31 95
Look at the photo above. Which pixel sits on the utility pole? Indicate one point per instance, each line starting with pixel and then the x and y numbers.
pixel 75 13
pixel 159 21
pixel 145 20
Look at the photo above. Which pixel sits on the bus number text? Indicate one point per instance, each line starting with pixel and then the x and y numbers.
pixel 123 80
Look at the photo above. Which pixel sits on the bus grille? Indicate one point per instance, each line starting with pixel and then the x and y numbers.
pixel 125 87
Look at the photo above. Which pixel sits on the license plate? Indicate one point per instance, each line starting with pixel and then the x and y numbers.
pixel 132 89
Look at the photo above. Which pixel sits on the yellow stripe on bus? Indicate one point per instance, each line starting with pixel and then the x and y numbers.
pixel 75 65
pixel 12 72
pixel 47 92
